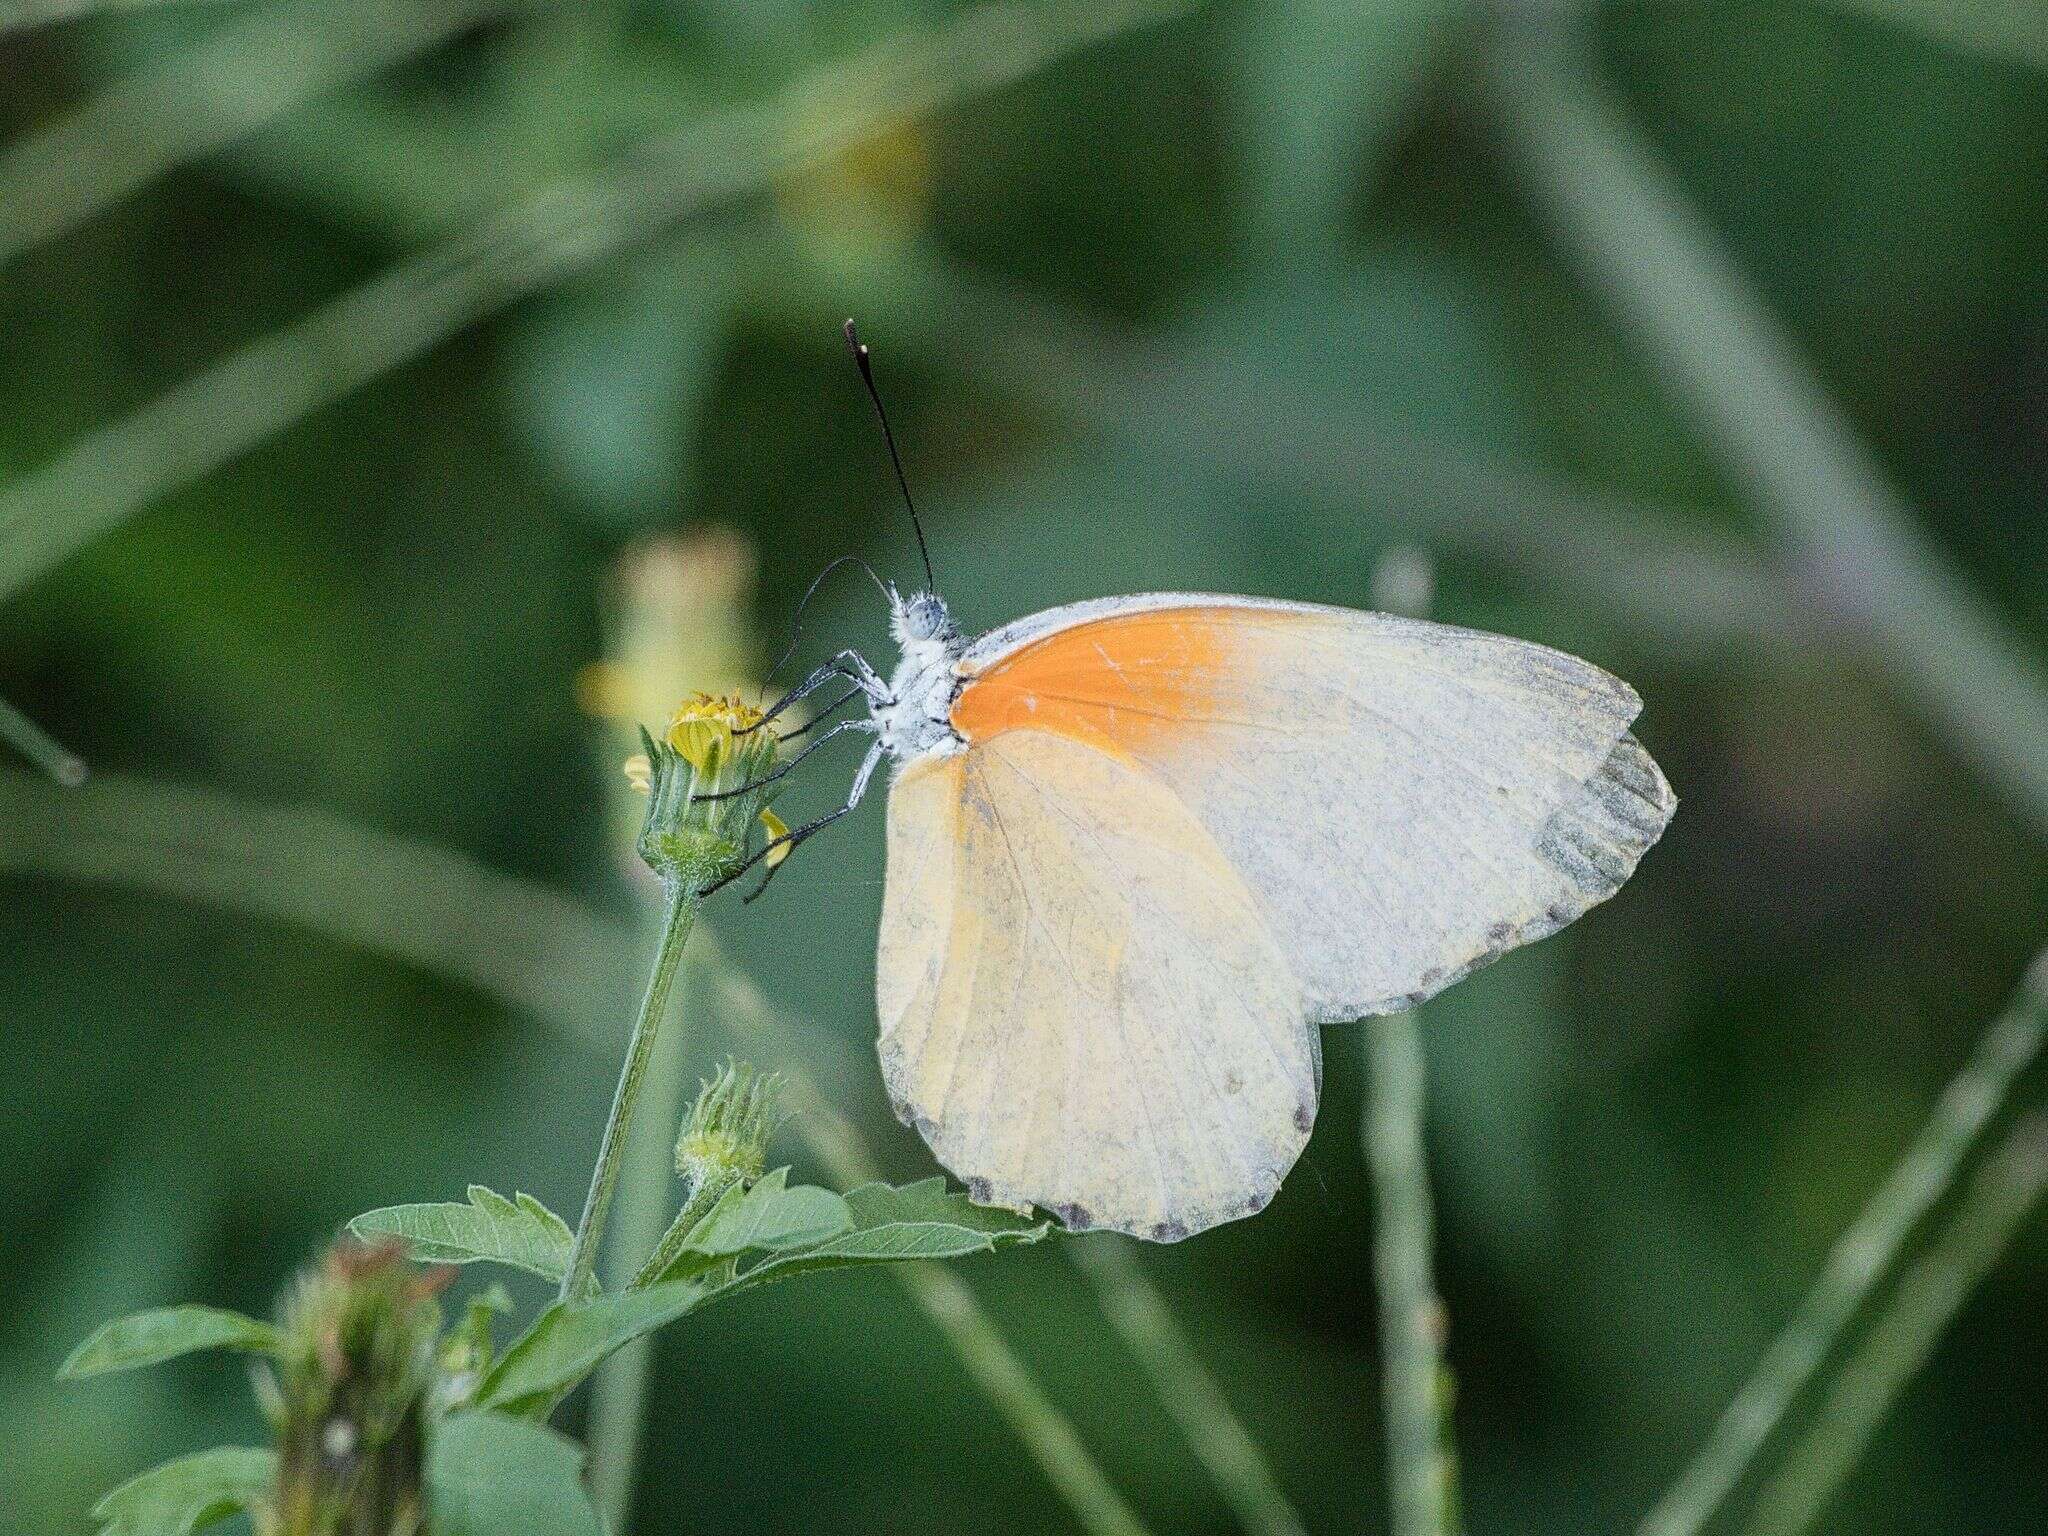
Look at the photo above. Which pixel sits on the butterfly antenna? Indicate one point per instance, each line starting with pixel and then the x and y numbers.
pixel 859 349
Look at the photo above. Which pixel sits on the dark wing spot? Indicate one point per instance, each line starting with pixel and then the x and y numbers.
pixel 1075 1218
pixel 1169 1232
pixel 980 1191
pixel 1304 1118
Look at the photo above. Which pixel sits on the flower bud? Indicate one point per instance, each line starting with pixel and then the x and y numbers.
pixel 725 1139
pixel 355 1367
pixel 697 828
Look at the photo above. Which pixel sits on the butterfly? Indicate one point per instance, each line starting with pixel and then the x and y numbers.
pixel 1141 849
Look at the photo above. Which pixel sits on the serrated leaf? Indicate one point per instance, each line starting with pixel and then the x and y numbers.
pixel 164 1333
pixel 490 1229
pixel 489 1474
pixel 769 1217
pixel 188 1494
pixel 888 1225
pixel 929 1200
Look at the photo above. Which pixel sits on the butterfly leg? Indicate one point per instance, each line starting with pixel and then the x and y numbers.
pixel 848 664
pixel 805 832
pixel 770 778
pixel 826 713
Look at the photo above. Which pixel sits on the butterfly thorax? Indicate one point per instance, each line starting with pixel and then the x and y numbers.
pixel 916 719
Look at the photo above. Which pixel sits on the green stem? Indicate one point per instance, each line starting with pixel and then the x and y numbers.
pixel 680 917
pixel 670 1248
pixel 618 1390
pixel 1410 1313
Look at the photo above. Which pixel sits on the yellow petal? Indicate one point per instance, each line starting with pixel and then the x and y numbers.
pixel 777 827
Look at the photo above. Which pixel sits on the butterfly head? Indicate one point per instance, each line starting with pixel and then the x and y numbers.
pixel 922 616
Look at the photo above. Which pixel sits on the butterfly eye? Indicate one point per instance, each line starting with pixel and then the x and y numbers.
pixel 925 617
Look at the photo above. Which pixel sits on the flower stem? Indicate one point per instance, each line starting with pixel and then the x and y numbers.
pixel 670 1248
pixel 681 915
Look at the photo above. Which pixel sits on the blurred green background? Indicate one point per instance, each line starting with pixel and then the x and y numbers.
pixel 1708 341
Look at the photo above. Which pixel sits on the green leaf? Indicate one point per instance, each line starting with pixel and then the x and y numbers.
pixel 490 1229
pixel 769 1217
pixel 145 1338
pixel 569 1338
pixel 888 1225
pixel 188 1494
pixel 916 1221
pixel 488 1474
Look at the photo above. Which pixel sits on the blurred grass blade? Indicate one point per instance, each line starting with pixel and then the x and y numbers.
pixel 247 72
pixel 1863 1256
pixel 1322 85
pixel 16 14
pixel 1997 1200
pixel 535 950
pixel 1187 1391
pixel 39 747
pixel 539 952
pixel 2012 31
pixel 114 471
pixel 1651 258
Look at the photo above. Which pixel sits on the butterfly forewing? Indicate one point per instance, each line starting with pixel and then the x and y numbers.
pixel 1407 800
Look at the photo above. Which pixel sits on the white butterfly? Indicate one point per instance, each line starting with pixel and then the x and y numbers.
pixel 1142 849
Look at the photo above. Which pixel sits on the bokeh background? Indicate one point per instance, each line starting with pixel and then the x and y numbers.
pixel 350 352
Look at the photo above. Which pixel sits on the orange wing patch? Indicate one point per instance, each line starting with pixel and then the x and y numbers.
pixel 1118 684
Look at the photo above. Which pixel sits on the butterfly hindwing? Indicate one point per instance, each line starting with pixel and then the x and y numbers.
pixel 1083 1007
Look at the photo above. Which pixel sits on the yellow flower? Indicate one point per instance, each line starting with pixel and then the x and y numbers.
pixel 702 728
pixel 706 782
